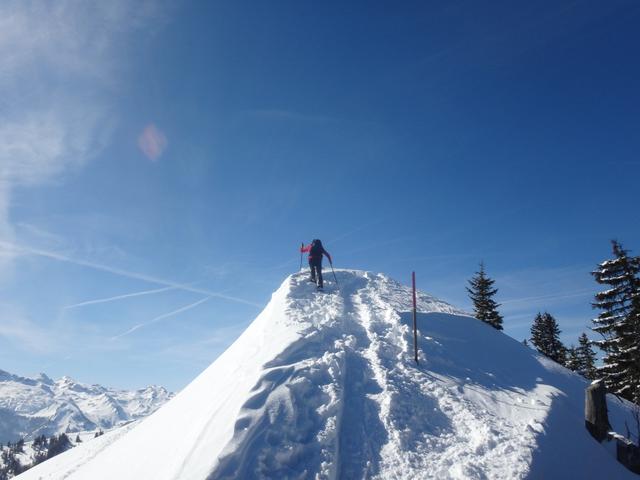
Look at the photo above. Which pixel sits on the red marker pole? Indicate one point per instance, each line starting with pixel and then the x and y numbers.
pixel 415 323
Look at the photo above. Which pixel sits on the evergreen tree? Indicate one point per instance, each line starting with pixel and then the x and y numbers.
pixel 619 323
pixel 38 457
pixel 12 466
pixel 573 361
pixel 481 293
pixel 545 336
pixel 78 439
pixel 58 445
pixel 586 358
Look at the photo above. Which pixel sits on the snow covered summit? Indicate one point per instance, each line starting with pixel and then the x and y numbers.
pixel 323 385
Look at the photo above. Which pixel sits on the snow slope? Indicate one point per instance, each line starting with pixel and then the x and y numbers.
pixel 323 385
pixel 30 407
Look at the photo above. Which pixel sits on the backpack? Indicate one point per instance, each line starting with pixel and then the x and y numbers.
pixel 316 249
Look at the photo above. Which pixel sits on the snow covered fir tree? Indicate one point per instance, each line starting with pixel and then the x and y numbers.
pixel 481 292
pixel 545 336
pixel 619 322
pixel 582 359
pixel 586 358
pixel 571 360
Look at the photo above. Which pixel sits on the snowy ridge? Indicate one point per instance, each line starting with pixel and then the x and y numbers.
pixel 334 359
pixel 323 385
pixel 30 407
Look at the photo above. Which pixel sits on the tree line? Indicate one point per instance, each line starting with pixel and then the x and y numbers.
pixel 43 449
pixel 618 324
pixel 14 460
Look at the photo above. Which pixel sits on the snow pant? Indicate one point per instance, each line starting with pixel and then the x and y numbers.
pixel 316 272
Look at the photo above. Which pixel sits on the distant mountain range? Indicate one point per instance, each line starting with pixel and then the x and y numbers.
pixel 34 406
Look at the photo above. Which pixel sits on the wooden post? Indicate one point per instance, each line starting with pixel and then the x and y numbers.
pixel 595 411
pixel 415 323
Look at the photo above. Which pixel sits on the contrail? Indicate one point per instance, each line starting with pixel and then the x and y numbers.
pixel 124 273
pixel 119 297
pixel 162 317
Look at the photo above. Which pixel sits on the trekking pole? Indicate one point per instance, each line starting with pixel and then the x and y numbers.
pixel 301 247
pixel 334 273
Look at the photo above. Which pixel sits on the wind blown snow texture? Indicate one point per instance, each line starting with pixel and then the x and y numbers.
pixel 323 385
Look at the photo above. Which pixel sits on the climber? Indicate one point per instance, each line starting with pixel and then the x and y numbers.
pixel 316 250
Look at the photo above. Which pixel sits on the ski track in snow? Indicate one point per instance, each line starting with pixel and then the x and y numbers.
pixel 342 398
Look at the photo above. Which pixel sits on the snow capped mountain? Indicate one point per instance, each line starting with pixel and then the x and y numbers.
pixel 323 385
pixel 34 406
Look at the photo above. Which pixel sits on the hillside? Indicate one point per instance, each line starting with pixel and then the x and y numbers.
pixel 323 385
pixel 30 407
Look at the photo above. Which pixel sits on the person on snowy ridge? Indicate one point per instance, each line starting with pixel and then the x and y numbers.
pixel 316 251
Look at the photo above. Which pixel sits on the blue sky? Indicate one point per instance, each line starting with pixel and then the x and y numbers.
pixel 161 162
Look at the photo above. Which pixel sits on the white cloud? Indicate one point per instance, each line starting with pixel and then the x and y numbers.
pixel 39 145
pixel 62 66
